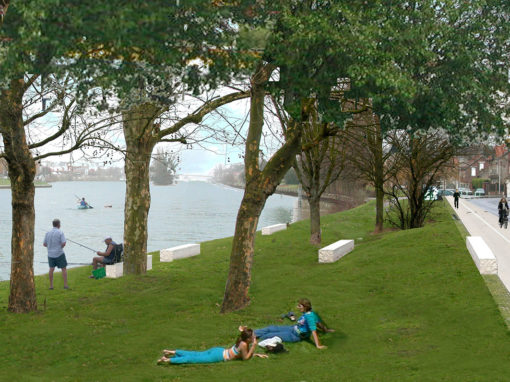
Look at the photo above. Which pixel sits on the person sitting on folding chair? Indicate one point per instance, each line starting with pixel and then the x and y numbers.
pixel 104 258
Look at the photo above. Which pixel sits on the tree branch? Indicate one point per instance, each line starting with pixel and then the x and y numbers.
pixel 197 116
pixel 66 123
pixel 42 113
pixel 30 82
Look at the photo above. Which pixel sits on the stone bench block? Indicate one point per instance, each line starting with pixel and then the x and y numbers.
pixel 149 262
pixel 179 252
pixel 335 251
pixel 115 270
pixel 269 230
pixel 482 255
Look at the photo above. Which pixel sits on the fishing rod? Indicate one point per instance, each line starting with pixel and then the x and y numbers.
pixel 81 245
pixel 75 242
pixel 45 262
pixel 41 262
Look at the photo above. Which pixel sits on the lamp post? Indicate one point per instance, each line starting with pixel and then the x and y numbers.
pixel 499 178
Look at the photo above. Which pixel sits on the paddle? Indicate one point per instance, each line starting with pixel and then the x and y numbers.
pixel 79 200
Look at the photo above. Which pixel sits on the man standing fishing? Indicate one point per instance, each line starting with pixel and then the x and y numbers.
pixel 55 241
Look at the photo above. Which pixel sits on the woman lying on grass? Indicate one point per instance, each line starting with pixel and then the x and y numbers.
pixel 243 349
pixel 305 327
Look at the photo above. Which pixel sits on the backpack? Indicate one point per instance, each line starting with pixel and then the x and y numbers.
pixel 118 253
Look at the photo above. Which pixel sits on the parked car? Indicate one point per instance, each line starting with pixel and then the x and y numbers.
pixel 445 192
pixel 479 192
pixel 465 192
pixel 431 194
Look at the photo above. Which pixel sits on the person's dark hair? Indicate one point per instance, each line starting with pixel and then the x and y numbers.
pixel 56 223
pixel 278 348
pixel 245 335
pixel 306 304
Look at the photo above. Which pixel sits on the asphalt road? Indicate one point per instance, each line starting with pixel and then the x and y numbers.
pixel 488 204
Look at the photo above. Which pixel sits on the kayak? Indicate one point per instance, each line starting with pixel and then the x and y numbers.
pixel 80 207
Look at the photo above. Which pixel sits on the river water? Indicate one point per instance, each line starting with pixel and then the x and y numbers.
pixel 189 212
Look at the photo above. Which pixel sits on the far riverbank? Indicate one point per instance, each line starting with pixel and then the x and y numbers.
pixel 330 203
pixel 6 183
pixel 36 186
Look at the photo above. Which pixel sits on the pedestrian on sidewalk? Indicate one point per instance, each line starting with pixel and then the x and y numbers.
pixel 502 210
pixel 456 196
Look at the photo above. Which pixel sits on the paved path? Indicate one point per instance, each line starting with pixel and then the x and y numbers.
pixel 480 219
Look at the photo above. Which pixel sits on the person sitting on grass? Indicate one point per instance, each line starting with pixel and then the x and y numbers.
pixel 305 326
pixel 243 349
pixel 106 257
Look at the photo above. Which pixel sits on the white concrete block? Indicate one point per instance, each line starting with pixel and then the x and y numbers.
pixel 115 270
pixel 335 251
pixel 269 230
pixel 482 255
pixel 179 252
pixel 149 262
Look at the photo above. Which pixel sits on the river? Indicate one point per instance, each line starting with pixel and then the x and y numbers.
pixel 189 212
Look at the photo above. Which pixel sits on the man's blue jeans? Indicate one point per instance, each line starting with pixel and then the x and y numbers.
pixel 286 333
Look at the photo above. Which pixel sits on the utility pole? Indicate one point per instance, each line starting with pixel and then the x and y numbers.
pixel 499 177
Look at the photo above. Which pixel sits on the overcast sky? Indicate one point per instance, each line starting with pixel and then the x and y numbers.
pixel 199 158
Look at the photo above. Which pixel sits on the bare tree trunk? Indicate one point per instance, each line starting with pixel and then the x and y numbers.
pixel 239 278
pixel 259 186
pixel 138 125
pixel 4 4
pixel 379 209
pixel 315 220
pixel 378 176
pixel 142 134
pixel 21 165
pixel 241 258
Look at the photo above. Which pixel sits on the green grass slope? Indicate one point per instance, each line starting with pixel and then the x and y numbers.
pixel 407 306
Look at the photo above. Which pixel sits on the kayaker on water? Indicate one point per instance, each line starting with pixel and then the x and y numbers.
pixel 83 203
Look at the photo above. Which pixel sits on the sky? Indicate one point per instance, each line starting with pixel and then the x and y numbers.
pixel 203 158
pixel 199 158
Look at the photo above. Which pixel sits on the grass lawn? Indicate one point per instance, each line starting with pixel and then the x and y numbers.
pixel 407 306
pixel 288 188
